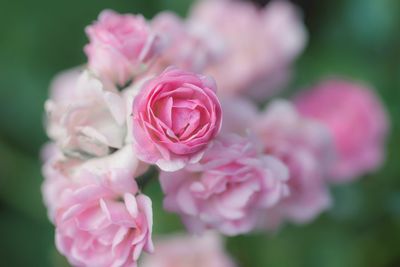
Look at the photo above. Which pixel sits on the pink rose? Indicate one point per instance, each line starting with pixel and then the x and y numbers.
pixel 306 148
pixel 56 170
pixel 188 45
pixel 100 224
pixel 100 217
pixel 175 116
pixel 120 46
pixel 83 118
pixel 357 120
pixel 60 171
pixel 260 44
pixel 189 251
pixel 227 189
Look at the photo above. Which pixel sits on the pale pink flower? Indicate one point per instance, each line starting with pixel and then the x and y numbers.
pixel 56 170
pixel 175 116
pixel 63 85
pixel 357 120
pixel 227 189
pixel 60 171
pixel 100 217
pixel 189 251
pixel 188 45
pixel 83 118
pixel 306 148
pixel 102 222
pixel 260 44
pixel 240 115
pixel 120 47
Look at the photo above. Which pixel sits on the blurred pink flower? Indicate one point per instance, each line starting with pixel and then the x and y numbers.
pixel 357 120
pixel 260 44
pixel 100 217
pixel 306 148
pixel 227 188
pixel 240 115
pixel 175 116
pixel 189 251
pixel 83 118
pixel 188 46
pixel 120 47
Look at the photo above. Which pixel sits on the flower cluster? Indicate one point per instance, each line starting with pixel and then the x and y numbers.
pixel 181 94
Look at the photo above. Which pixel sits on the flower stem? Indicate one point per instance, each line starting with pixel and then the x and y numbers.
pixel 150 175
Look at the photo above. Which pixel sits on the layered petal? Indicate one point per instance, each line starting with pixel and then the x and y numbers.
pixel 175 115
pixel 227 189
pixel 120 47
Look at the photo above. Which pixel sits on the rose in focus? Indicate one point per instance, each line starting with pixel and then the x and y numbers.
pixel 175 116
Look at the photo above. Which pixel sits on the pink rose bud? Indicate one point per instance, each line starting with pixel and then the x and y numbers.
pixel 120 47
pixel 100 217
pixel 260 44
pixel 227 189
pixel 305 146
pixel 175 116
pixel 188 45
pixel 356 119
pixel 189 251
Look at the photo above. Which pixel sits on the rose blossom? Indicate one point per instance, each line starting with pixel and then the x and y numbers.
pixel 100 218
pixel 227 188
pixel 189 251
pixel 56 170
pixel 120 46
pixel 59 170
pixel 357 120
pixel 305 146
pixel 83 118
pixel 188 45
pixel 175 116
pixel 260 44
pixel 104 224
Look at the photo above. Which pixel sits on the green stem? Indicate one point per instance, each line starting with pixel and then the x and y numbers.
pixel 150 175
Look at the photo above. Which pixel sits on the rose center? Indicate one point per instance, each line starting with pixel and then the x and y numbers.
pixel 185 122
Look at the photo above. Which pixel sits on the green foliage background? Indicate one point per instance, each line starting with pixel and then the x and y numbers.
pixel 359 39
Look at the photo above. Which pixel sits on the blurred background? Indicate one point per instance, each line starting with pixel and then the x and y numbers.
pixel 358 39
